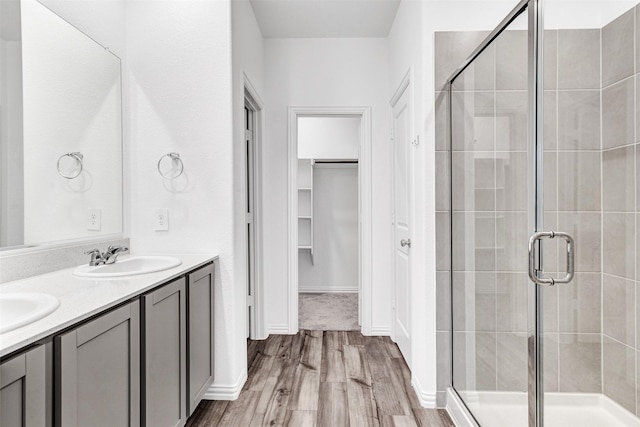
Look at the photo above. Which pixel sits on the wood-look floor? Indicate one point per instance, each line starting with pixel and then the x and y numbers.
pixel 327 379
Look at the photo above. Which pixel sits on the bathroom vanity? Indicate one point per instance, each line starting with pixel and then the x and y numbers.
pixel 127 351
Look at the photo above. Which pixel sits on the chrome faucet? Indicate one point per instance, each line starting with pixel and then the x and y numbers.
pixel 111 255
pixel 108 257
pixel 96 257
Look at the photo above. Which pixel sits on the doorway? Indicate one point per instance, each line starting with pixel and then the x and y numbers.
pixel 329 227
pixel 252 121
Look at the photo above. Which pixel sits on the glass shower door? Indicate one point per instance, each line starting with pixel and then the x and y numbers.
pixel 491 215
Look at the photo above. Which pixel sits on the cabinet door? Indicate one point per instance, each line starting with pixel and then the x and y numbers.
pixel 165 356
pixel 200 292
pixel 97 375
pixel 25 382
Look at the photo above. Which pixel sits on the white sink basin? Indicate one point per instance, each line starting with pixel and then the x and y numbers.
pixel 20 309
pixel 128 266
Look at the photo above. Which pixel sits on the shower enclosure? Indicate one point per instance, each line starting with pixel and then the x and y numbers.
pixel 544 160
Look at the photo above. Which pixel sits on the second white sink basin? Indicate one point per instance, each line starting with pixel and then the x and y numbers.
pixel 20 309
pixel 128 266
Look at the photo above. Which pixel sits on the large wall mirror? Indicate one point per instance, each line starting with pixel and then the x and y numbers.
pixel 60 130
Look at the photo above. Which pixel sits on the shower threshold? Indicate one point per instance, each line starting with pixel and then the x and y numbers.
pixel 509 409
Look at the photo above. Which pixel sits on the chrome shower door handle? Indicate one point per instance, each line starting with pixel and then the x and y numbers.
pixel 532 257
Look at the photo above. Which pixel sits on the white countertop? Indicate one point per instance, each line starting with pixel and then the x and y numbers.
pixel 81 298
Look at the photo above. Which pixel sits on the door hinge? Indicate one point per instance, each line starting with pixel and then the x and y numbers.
pixel 392 134
pixel 249 218
pixel 416 141
pixel 248 135
pixel 250 300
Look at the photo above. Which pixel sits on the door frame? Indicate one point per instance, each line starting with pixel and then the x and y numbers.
pixel 405 86
pixel 257 328
pixel 365 200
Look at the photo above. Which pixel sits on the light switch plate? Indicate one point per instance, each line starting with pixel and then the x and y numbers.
pixel 161 219
pixel 94 219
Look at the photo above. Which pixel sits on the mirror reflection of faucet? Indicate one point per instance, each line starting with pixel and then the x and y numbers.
pixel 108 257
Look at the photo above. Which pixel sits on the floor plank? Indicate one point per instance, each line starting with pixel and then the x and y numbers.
pixel 404 374
pixel 332 366
pixel 306 383
pixel 240 412
pixel 356 366
pixel 300 418
pixel 362 405
pixel 333 408
pixel 283 371
pixel 311 354
pixel 432 417
pixel 399 421
pixel 259 371
pixel 328 379
pixel 208 413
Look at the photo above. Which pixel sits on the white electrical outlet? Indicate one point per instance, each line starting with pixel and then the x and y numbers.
pixel 161 219
pixel 94 219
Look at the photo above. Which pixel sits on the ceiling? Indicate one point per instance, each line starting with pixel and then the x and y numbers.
pixel 325 18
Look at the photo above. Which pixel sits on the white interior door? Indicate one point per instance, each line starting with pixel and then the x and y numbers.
pixel 401 221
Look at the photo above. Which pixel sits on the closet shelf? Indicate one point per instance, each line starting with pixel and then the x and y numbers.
pixel 305 205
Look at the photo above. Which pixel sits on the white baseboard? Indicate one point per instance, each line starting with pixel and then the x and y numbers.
pixel 323 290
pixel 277 330
pixel 427 399
pixel 226 391
pixel 381 331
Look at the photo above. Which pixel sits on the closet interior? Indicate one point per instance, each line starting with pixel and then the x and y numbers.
pixel 328 222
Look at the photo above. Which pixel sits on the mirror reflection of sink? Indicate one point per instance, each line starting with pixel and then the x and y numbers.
pixel 128 266
pixel 20 309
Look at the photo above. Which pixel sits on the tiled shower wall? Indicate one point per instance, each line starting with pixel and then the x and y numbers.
pixel 592 332
pixel 621 206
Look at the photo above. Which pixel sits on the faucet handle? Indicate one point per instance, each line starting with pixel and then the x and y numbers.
pixel 96 257
pixel 114 249
pixel 112 253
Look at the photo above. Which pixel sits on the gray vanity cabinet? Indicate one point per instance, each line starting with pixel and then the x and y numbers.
pixel 200 292
pixel 25 382
pixel 97 371
pixel 164 356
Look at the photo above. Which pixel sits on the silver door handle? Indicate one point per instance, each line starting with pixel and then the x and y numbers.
pixel 533 273
pixel 404 243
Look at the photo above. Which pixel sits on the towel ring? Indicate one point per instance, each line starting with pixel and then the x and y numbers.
pixel 78 158
pixel 176 160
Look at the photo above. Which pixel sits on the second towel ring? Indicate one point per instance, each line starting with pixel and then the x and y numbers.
pixel 74 174
pixel 177 166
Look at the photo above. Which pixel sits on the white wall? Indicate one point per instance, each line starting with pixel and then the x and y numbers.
pixel 102 20
pixel 335 244
pixel 71 100
pixel 179 91
pixel 328 137
pixel 324 72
